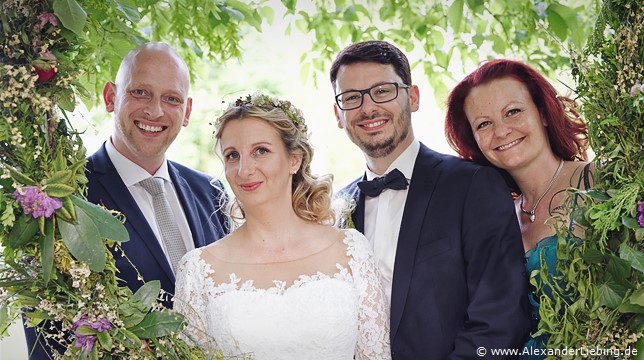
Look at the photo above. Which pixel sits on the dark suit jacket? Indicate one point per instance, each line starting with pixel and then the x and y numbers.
pixel 459 279
pixel 201 203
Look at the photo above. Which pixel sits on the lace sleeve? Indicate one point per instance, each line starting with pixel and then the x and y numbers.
pixel 191 298
pixel 373 314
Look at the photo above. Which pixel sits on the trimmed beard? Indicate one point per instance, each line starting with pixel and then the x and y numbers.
pixel 387 146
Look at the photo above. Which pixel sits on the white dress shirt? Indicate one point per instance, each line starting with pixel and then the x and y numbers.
pixel 383 216
pixel 132 174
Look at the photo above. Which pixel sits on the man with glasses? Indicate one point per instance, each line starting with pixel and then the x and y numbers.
pixel 444 230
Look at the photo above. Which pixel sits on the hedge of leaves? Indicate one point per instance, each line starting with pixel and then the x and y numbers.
pixel 57 267
pixel 605 272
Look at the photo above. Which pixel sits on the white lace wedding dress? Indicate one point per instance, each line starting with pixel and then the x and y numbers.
pixel 334 312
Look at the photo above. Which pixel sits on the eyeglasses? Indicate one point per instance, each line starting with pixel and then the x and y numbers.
pixel 380 93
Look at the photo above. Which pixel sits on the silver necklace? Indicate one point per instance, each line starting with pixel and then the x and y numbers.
pixel 531 213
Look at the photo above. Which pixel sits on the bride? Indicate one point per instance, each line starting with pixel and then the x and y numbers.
pixel 285 284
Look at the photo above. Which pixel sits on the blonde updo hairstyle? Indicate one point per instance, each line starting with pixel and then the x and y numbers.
pixel 312 194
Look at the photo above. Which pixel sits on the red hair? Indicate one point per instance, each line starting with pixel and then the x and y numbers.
pixel 567 132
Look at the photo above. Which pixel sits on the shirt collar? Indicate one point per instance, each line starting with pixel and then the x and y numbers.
pixel 131 173
pixel 404 162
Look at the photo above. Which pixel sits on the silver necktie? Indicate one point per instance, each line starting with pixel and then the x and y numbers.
pixel 166 220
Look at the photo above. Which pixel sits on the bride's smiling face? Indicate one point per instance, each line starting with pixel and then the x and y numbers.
pixel 257 165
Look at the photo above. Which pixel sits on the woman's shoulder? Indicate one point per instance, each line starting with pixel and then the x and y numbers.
pixel 357 244
pixel 191 263
pixel 224 248
pixel 582 175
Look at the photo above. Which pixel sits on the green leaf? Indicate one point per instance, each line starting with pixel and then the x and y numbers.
pixel 126 337
pixel 477 40
pixel 597 195
pixel 350 14
pixel 579 216
pixel 19 177
pixel 59 177
pixel 639 234
pixel 148 293
pixel 630 222
pixel 344 33
pixel 627 307
pixel 86 330
pixel 387 11
pixel 455 14
pixel 634 303
pixel 47 250
pixel 105 339
pixel 557 24
pixel 619 270
pixel 23 231
pixel 68 210
pixel 8 217
pixel 159 323
pixel 58 190
pixel 84 241
pixel 93 355
pixel 637 297
pixel 71 15
pixel 234 13
pixel 498 44
pixel 610 294
pixel 592 256
pixel 639 345
pixel 290 4
pixel 6 183
pixel 442 58
pixel 421 30
pixel 129 9
pixel 66 100
pixel 439 39
pixel 477 6
pixel 60 161
pixel 635 257
pixel 132 312
pixel 267 13
pixel 4 320
pixel 41 224
pixel 109 227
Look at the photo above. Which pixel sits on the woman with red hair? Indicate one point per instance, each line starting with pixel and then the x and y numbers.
pixel 507 115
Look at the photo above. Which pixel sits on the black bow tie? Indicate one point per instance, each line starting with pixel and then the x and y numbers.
pixel 394 180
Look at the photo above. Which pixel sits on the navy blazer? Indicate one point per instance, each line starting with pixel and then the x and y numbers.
pixel 201 201
pixel 459 280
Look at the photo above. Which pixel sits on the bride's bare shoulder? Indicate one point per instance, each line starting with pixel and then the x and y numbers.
pixel 223 247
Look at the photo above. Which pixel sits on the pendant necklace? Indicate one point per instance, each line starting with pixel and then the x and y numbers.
pixel 531 213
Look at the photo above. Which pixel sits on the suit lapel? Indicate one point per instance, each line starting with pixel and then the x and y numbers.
pixel 189 205
pixel 117 196
pixel 421 188
pixel 358 214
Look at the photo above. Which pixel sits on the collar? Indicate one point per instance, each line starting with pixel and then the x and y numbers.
pixel 405 162
pixel 130 172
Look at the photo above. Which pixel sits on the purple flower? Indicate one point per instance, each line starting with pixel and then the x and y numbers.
pixel 47 18
pixel 635 88
pixel 102 325
pixel 86 342
pixel 640 213
pixel 37 203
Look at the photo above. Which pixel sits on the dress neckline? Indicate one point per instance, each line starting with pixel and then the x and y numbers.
pixel 538 245
pixel 331 244
pixel 280 286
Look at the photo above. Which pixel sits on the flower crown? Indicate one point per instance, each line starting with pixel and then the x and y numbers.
pixel 267 103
